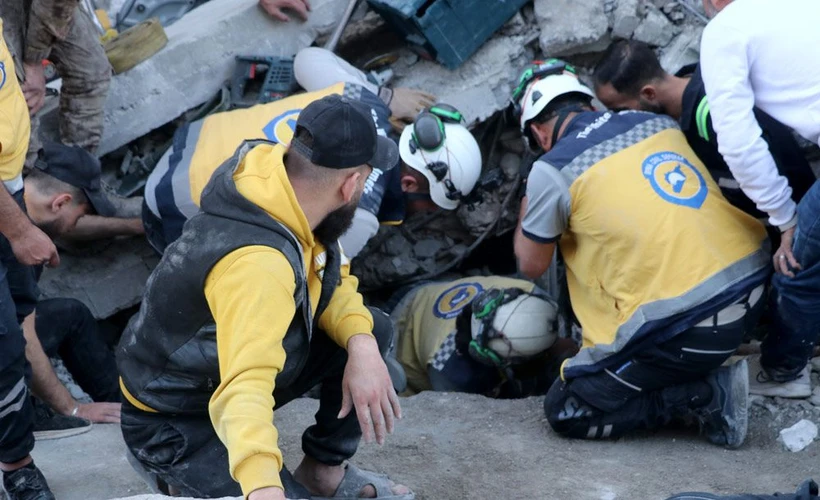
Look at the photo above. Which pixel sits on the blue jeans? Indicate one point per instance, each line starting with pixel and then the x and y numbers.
pixel 796 301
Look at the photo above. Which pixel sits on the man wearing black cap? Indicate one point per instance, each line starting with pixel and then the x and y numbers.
pixel 251 307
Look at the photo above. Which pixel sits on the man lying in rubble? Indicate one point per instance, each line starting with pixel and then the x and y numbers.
pixel 486 335
pixel 752 55
pixel 629 76
pixel 63 33
pixel 24 248
pixel 440 162
pixel 665 276
pixel 252 307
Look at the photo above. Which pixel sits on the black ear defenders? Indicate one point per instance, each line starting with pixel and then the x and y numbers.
pixel 428 128
pixel 440 170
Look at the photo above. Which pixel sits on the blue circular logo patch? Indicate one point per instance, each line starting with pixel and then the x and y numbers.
pixel 282 127
pixel 675 179
pixel 454 299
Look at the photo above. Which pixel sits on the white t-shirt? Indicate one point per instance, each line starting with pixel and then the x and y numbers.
pixel 762 53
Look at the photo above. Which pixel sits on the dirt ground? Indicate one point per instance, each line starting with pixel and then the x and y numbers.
pixel 454 446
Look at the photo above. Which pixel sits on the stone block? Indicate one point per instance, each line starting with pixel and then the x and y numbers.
pixel 571 26
pixel 684 49
pixel 625 19
pixel 656 29
pixel 799 436
pixel 199 58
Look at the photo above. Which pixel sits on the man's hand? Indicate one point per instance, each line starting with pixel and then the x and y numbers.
pixel 32 247
pixel 271 493
pixel 784 260
pixel 367 387
pixel 101 413
pixel 406 103
pixel 275 8
pixel 34 88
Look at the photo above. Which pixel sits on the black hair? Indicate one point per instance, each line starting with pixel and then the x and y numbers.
pixel 51 185
pixel 628 65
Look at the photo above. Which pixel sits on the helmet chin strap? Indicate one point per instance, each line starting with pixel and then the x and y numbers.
pixel 563 115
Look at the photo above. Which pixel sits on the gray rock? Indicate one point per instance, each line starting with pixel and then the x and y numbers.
pixel 815 364
pixel 199 57
pixel 571 26
pixel 799 436
pixel 815 397
pixel 428 248
pixel 684 49
pixel 655 29
pixel 625 19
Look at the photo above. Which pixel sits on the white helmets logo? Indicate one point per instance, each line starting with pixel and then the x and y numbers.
pixel 459 152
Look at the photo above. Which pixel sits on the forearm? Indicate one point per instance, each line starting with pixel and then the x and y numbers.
pixel 44 382
pixel 95 227
pixel 346 315
pixel 13 222
pixel 49 20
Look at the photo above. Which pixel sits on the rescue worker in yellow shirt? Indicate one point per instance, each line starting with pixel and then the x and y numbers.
pixel 252 307
pixel 665 276
pixel 487 335
pixel 440 159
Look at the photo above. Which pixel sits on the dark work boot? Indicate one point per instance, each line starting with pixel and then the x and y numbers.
pixel 26 483
pixel 725 419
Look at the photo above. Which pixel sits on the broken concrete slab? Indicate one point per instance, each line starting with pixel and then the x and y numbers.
pixel 199 58
pixel 482 85
pixel 799 436
pixel 571 26
pixel 656 29
pixel 625 18
pixel 108 282
pixel 683 50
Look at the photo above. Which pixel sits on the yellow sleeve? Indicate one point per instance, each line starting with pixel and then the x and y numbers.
pixel 346 314
pixel 250 293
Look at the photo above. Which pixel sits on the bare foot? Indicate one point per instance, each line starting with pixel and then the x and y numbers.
pixel 323 480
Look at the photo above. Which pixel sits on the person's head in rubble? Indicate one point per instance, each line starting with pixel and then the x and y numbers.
pixel 548 95
pixel 333 151
pixel 630 76
pixel 441 161
pixel 63 186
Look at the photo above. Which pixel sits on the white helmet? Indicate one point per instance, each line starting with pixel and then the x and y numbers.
pixel 542 83
pixel 512 324
pixel 444 152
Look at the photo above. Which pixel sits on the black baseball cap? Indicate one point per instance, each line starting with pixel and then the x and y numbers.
pixel 76 166
pixel 344 135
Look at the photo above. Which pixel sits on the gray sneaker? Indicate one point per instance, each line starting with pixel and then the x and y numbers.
pixel 725 420
pixel 760 382
pixel 26 483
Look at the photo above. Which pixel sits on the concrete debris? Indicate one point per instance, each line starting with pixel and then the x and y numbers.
pixel 572 26
pixel 68 381
pixel 683 50
pixel 815 397
pixel 625 19
pixel 655 29
pixel 815 364
pixel 198 59
pixel 799 436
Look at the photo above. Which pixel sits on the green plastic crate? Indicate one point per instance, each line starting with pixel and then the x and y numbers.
pixel 448 30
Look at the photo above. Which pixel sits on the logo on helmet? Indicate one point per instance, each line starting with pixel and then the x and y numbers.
pixel 675 179
pixel 454 299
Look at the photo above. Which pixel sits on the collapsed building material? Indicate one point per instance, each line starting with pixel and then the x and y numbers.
pixel 572 26
pixel 198 59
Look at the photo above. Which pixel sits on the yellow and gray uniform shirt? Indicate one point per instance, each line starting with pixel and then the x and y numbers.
pixel 650 244
pixel 15 126
pixel 173 189
pixel 425 322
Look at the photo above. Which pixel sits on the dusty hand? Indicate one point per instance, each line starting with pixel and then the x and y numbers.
pixel 275 8
pixel 34 88
pixel 784 260
pixel 367 387
pixel 103 413
pixel 406 103
pixel 33 248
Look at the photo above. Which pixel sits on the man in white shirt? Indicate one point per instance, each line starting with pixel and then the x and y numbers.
pixel 754 53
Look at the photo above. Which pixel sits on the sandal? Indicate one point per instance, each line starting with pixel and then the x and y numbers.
pixel 354 481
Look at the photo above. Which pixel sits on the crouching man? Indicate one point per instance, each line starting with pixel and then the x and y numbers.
pixel 253 306
pixel 664 275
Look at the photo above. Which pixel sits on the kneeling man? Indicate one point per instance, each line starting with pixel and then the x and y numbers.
pixel 252 307
pixel 665 276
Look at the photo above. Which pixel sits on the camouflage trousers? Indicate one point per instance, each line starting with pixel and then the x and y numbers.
pixel 86 74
